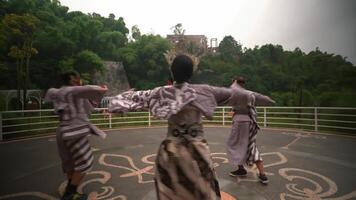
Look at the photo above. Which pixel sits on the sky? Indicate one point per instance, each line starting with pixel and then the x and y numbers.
pixel 307 24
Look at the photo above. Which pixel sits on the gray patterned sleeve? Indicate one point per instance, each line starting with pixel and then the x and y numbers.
pixel 50 95
pixel 130 101
pixel 222 95
pixel 91 92
pixel 231 96
pixel 262 100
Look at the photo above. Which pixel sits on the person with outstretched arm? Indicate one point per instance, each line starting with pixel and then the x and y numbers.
pixel 73 104
pixel 241 143
pixel 183 166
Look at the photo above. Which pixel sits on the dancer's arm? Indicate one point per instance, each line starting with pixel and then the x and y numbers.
pixel 231 96
pixel 50 95
pixel 90 92
pixel 262 100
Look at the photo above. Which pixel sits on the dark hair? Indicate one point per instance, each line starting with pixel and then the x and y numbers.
pixel 66 76
pixel 240 80
pixel 182 68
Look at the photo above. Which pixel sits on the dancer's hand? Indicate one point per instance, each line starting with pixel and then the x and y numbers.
pixel 104 87
pixel 94 103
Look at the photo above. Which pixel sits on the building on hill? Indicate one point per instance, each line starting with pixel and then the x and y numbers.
pixel 193 44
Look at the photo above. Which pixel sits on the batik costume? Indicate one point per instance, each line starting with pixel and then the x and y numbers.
pixel 184 169
pixel 241 143
pixel 73 105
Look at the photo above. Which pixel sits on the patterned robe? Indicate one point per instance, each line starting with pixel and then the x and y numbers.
pixel 184 169
pixel 241 143
pixel 72 104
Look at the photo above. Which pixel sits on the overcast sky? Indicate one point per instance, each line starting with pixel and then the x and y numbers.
pixel 327 24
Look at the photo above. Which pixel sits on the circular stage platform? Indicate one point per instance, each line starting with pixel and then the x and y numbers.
pixel 299 166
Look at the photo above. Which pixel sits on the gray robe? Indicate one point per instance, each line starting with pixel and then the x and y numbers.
pixel 184 169
pixel 72 104
pixel 241 143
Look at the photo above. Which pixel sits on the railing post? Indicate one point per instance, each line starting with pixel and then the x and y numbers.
pixel 316 119
pixel 1 127
pixel 223 116
pixel 110 121
pixel 149 118
pixel 265 117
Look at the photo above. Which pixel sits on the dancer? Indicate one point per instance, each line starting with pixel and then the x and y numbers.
pixel 73 103
pixel 241 143
pixel 184 169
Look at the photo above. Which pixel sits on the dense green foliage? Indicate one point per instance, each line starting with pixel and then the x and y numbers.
pixel 51 39
pixel 292 78
pixel 64 40
pixel 145 63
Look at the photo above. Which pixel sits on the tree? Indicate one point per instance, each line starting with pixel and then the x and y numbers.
pixel 20 31
pixel 3 8
pixel 178 29
pixel 181 45
pixel 145 63
pixel 111 24
pixel 229 48
pixel 60 36
pixel 108 44
pixel 88 63
pixel 135 32
pixel 75 40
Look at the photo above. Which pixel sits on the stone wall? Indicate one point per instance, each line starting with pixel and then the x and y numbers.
pixel 114 77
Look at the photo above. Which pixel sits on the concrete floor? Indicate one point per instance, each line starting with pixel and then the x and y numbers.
pixel 299 166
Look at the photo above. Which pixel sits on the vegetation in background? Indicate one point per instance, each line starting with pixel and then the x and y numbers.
pixel 40 38
pixel 292 78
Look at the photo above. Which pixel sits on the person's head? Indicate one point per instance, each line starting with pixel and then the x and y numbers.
pixel 240 80
pixel 71 78
pixel 182 68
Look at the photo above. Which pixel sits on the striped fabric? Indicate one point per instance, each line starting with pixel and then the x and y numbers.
pixel 73 104
pixel 74 131
pixel 75 138
pixel 129 101
pixel 81 153
pixel 163 102
pixel 253 154
pixel 184 170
